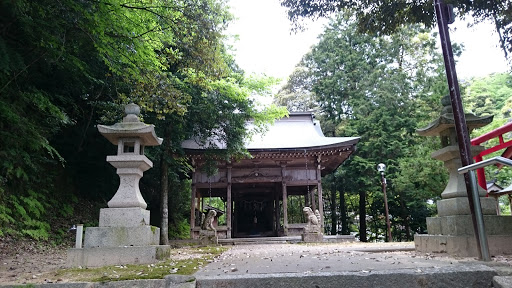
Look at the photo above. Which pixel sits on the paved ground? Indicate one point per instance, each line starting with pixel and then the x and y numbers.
pixel 353 264
pixel 331 265
pixel 314 258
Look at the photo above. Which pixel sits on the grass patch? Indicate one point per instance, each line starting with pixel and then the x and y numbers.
pixel 183 261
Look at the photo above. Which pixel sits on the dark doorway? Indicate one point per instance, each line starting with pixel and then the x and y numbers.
pixel 253 214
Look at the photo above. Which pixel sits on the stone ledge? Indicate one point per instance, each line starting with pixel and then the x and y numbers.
pixel 172 281
pixel 339 238
pixel 124 217
pixel 463 225
pixel 460 206
pixel 312 237
pixel 121 236
pixel 462 246
pixel 453 277
pixel 106 256
pixel 502 281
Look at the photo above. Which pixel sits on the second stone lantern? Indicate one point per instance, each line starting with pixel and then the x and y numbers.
pixel 452 230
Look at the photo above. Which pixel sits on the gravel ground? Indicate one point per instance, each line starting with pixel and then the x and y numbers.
pixel 24 262
pixel 32 262
pixel 333 257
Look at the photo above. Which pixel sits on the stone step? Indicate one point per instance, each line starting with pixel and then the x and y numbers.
pixel 471 276
pixel 454 277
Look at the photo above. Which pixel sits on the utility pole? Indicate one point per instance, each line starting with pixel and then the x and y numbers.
pixel 445 17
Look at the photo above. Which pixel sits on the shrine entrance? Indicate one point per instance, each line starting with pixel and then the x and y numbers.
pixel 254 211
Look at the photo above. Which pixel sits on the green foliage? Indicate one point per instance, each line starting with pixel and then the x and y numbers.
pixel 180 230
pixel 387 17
pixel 380 89
pixel 296 95
pixel 66 66
pixel 488 95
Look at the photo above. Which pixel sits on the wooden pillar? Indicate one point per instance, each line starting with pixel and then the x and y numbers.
pixel 229 204
pixel 277 210
pixel 311 192
pixel 285 200
pixel 285 210
pixel 274 214
pixel 319 189
pixel 192 210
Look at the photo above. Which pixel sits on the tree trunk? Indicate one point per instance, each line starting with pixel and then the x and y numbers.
pixel 343 214
pixel 362 216
pixel 405 216
pixel 164 193
pixel 334 219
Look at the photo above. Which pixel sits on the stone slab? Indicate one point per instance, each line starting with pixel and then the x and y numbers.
pixel 171 281
pixel 502 282
pixel 453 277
pixel 124 217
pixel 312 237
pixel 461 246
pixel 59 285
pixel 463 225
pixel 208 237
pixel 96 257
pixel 339 238
pixel 460 206
pixel 121 236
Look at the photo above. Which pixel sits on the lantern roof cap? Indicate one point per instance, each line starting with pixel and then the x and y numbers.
pixel 446 120
pixel 131 127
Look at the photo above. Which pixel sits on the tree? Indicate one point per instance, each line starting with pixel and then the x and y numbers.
pixel 296 95
pixel 488 95
pixel 66 66
pixel 380 89
pixel 387 17
pixel 491 95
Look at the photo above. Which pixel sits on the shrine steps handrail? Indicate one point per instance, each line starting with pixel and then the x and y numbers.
pixel 485 163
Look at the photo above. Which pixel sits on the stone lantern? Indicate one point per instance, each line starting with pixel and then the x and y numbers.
pixel 452 230
pixel 454 197
pixel 130 137
pixel 124 235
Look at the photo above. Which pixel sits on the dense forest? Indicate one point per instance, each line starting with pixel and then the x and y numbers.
pixel 66 66
pixel 69 65
pixel 382 89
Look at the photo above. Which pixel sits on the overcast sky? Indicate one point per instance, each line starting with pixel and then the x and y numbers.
pixel 267 46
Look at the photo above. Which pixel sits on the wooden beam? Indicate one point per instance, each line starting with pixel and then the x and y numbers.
pixel 213 185
pixel 301 183
pixel 262 179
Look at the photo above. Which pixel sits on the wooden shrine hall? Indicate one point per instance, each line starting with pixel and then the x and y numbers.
pixel 289 159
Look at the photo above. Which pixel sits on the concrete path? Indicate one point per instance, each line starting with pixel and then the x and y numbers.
pixel 340 265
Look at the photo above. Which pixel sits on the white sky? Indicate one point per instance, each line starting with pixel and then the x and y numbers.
pixel 266 44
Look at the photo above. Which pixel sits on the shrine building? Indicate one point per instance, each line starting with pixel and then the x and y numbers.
pixel 288 162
